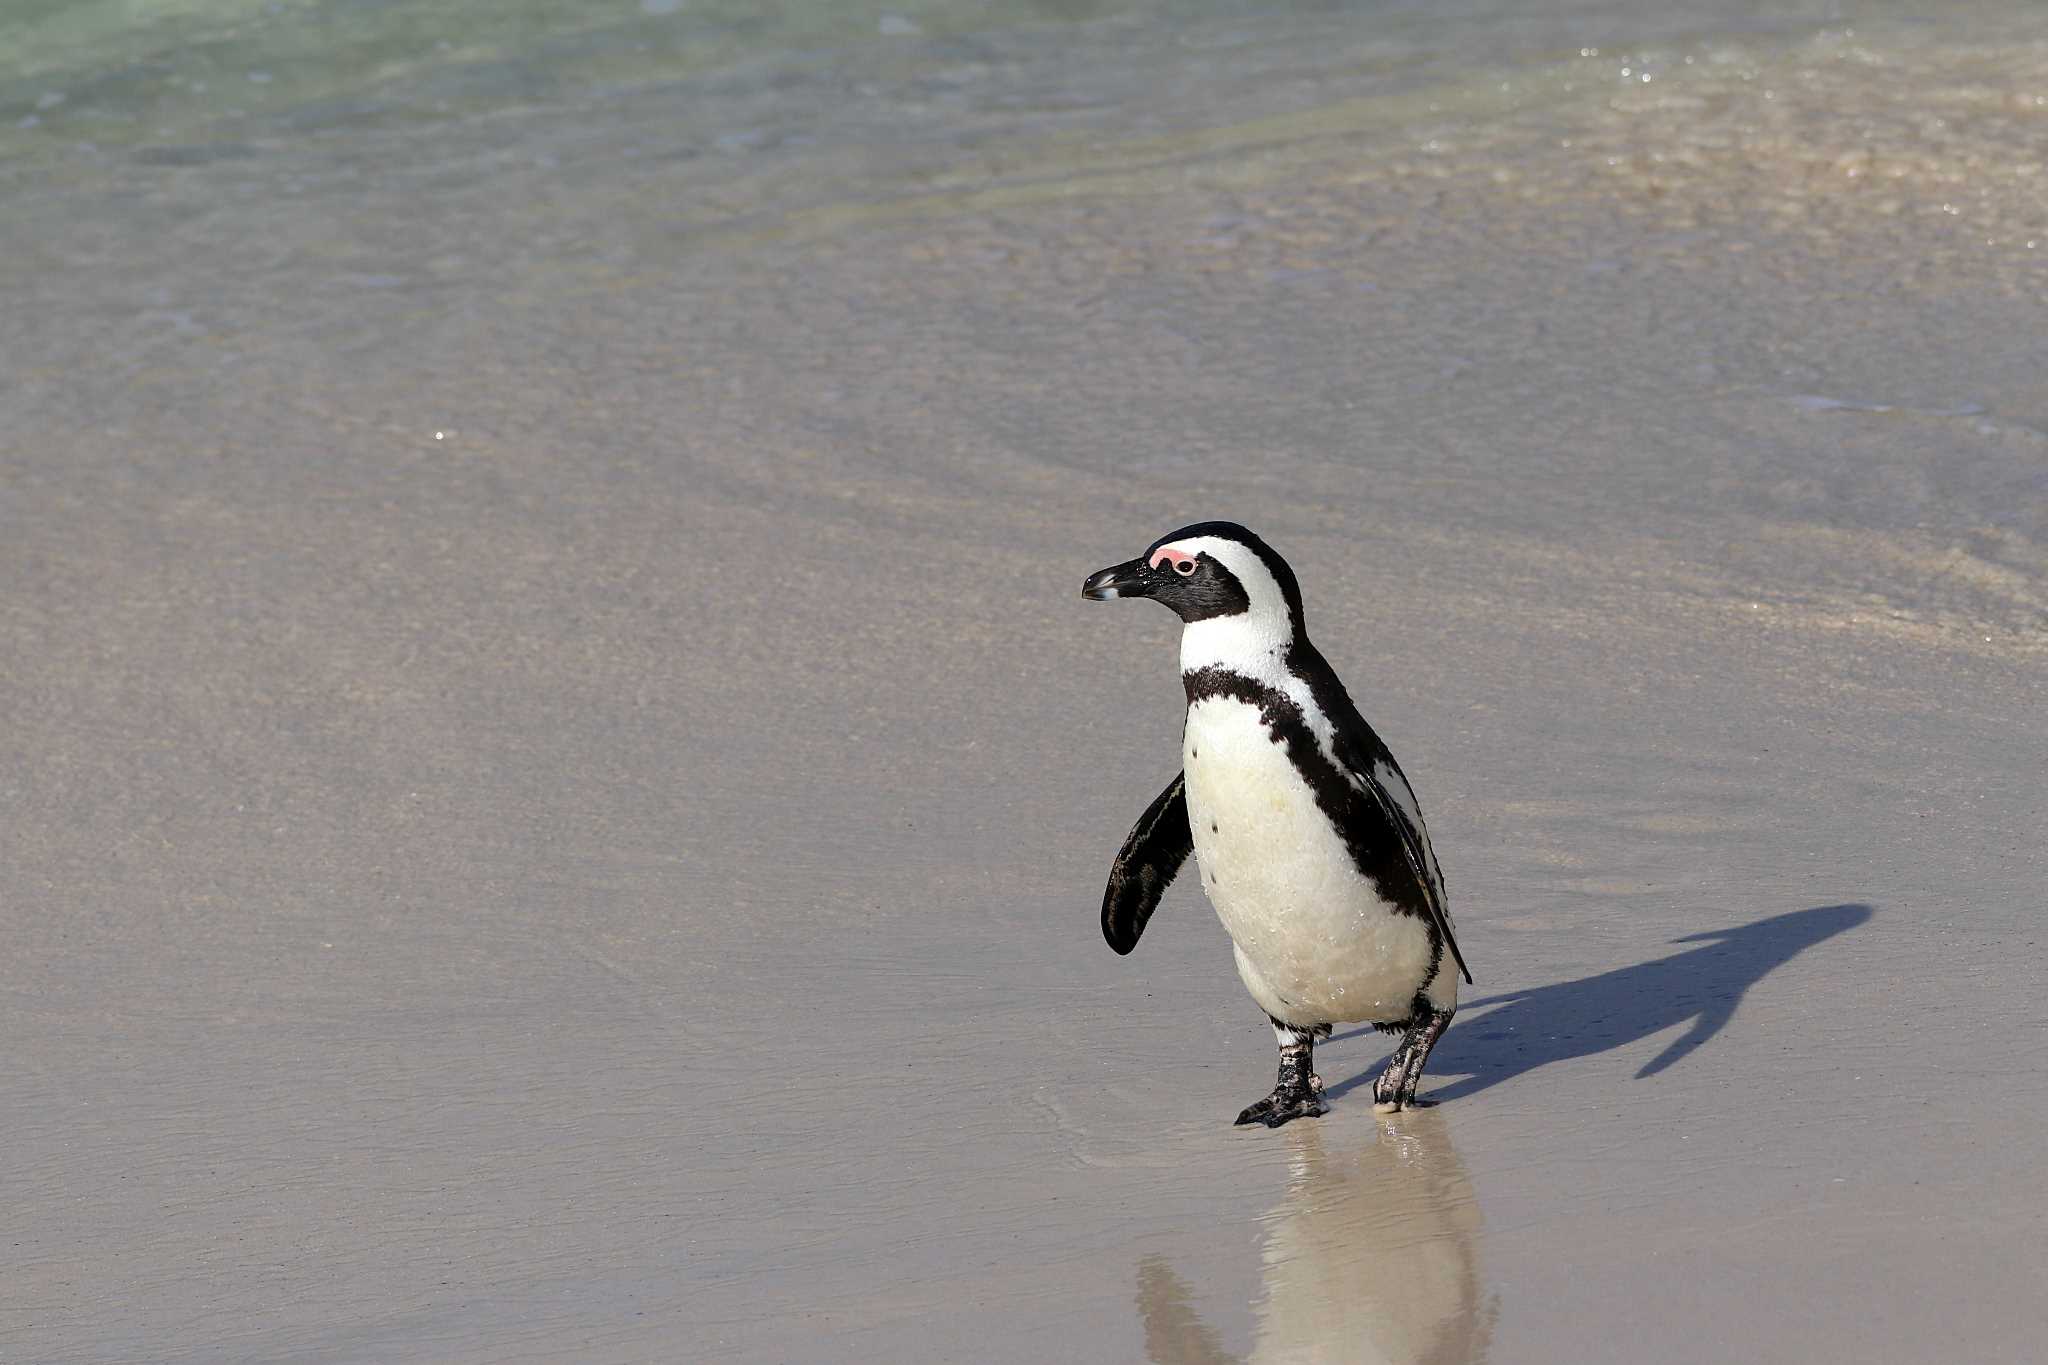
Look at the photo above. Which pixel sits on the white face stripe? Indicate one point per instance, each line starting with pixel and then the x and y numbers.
pixel 1254 642
pixel 1259 584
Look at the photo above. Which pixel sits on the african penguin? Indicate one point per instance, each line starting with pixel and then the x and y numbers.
pixel 1309 839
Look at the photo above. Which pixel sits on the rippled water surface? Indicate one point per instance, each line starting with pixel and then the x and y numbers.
pixel 559 784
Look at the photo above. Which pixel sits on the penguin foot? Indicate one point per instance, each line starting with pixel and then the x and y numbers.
pixel 1304 1102
pixel 1397 1102
pixel 1389 1094
pixel 1394 1089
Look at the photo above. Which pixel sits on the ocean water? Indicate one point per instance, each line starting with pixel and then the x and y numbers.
pixel 558 784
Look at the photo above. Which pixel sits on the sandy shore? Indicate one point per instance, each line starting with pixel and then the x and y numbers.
pixel 559 782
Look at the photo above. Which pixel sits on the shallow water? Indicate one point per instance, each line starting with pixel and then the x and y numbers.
pixel 560 783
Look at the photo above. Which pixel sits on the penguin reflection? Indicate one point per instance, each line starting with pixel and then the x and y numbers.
pixel 1370 1259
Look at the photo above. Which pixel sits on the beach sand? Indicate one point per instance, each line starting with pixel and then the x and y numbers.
pixel 559 783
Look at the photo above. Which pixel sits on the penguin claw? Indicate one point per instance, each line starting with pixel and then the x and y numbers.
pixel 1283 1105
pixel 1392 1096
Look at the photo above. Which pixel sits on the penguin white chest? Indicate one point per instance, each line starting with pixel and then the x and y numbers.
pixel 1315 942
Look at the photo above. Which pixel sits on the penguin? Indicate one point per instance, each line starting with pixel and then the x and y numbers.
pixel 1309 839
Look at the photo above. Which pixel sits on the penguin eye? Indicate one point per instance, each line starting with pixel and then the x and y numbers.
pixel 1184 567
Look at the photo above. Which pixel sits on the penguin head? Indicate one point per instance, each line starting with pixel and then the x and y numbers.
pixel 1208 570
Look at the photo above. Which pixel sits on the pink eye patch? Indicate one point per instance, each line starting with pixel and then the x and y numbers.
pixel 1183 563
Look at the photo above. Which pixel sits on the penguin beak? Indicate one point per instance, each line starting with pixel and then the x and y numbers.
pixel 1118 580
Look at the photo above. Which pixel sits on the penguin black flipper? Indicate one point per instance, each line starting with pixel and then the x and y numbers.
pixel 1145 866
pixel 1421 861
pixel 1390 805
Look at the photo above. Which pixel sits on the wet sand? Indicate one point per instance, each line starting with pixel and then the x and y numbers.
pixel 559 783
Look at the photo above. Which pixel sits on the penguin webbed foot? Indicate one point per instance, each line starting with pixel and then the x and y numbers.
pixel 1286 1103
pixel 1394 1088
pixel 1298 1093
pixel 1387 1087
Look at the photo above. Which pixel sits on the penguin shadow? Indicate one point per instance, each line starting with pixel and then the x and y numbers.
pixel 1702 987
pixel 1370 1256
